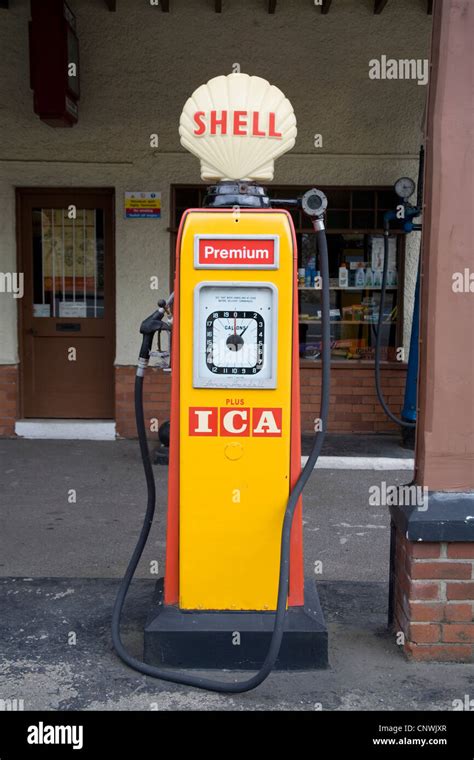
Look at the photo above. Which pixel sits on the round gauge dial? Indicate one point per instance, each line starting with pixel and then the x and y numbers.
pixel 404 187
pixel 235 335
pixel 235 342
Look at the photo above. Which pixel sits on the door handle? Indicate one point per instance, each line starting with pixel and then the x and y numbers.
pixel 31 331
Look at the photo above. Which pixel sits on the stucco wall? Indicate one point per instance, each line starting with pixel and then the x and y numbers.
pixel 139 65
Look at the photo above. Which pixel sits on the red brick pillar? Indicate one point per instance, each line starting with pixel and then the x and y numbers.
pixel 434 598
pixel 432 564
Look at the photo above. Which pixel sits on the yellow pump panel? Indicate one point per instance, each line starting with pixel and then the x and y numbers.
pixel 233 488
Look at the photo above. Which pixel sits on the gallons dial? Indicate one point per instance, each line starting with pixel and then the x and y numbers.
pixel 235 342
pixel 236 328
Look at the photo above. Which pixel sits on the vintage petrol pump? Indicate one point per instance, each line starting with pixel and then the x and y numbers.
pixel 234 594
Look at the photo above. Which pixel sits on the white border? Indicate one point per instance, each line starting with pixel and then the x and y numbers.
pixel 235 381
pixel 276 248
pixel 62 430
pixel 361 463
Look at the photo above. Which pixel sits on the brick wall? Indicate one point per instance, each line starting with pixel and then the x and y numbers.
pixel 434 599
pixel 8 399
pixel 354 406
pixel 156 397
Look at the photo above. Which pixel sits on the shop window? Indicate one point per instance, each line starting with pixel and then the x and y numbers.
pixel 354 224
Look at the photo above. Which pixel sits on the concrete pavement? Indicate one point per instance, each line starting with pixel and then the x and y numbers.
pixel 60 560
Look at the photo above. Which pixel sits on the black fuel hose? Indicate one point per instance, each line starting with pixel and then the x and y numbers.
pixel 378 338
pixel 184 678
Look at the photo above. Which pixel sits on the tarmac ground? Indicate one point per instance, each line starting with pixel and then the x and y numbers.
pixel 60 561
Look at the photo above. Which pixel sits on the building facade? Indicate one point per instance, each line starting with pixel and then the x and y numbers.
pixel 91 274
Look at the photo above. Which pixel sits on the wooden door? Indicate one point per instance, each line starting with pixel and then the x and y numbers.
pixel 67 324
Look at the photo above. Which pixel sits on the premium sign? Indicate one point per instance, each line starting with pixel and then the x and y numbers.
pixel 235 252
pixel 212 421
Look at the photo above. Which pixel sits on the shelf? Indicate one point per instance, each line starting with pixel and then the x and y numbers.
pixel 331 231
pixel 343 322
pixel 351 288
pixel 349 231
pixel 339 363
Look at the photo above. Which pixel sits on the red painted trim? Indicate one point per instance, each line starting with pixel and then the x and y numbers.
pixel 296 582
pixel 172 527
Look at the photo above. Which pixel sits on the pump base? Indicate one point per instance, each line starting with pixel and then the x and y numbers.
pixel 205 640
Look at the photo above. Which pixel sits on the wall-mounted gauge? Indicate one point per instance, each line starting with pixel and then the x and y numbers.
pixel 404 187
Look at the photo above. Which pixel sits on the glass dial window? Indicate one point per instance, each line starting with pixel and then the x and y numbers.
pixel 235 333
pixel 235 342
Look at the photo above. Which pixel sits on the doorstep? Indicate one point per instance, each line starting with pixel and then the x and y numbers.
pixel 85 430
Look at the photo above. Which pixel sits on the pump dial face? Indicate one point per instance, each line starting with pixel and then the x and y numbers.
pixel 235 342
pixel 235 331
pixel 404 187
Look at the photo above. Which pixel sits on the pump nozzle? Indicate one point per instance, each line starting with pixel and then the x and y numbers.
pixel 152 324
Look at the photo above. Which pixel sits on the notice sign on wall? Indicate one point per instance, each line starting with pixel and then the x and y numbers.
pixel 142 205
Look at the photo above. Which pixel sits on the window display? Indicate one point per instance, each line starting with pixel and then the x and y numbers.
pixel 355 284
pixel 354 222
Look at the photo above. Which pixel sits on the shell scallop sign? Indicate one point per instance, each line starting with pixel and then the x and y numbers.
pixel 237 125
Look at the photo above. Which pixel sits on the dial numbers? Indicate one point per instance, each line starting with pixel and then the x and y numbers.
pixel 235 331
pixel 235 342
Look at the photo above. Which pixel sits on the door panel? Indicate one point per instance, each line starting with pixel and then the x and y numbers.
pixel 67 321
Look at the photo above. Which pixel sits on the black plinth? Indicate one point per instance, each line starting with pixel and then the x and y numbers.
pixel 196 639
